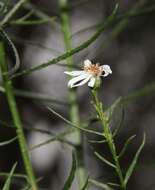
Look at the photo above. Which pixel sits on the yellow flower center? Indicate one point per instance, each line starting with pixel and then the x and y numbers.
pixel 93 69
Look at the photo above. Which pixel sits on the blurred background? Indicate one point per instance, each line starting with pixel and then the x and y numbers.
pixel 128 49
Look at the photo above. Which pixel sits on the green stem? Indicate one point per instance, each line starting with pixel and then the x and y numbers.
pixel 12 13
pixel 72 97
pixel 74 111
pixel 108 136
pixel 16 118
pixel 110 19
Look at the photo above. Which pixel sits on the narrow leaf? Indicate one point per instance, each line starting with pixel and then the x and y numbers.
pixel 99 184
pixel 72 124
pixel 146 90
pixel 71 175
pixel 120 122
pixel 104 160
pixel 29 187
pixel 85 185
pixel 3 7
pixel 35 96
pixel 110 19
pixel 8 141
pixel 112 108
pixel 128 141
pixel 113 184
pixel 97 142
pixel 5 37
pixel 8 181
pixel 134 162
pixel 15 175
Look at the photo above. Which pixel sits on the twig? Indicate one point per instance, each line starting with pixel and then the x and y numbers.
pixel 12 12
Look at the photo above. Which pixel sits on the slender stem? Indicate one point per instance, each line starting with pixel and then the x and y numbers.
pixel 16 118
pixel 35 96
pixel 12 12
pixel 110 19
pixel 74 111
pixel 72 97
pixel 108 136
pixel 31 22
pixel 37 12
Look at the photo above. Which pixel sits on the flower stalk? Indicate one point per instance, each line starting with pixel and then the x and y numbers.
pixel 16 118
pixel 108 136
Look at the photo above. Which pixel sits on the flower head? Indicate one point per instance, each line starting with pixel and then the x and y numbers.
pixel 90 73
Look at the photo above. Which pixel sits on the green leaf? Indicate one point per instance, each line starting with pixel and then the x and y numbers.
pixel 29 187
pixel 146 90
pixel 3 7
pixel 8 181
pixel 113 184
pixel 111 109
pixel 97 142
pixel 72 124
pixel 7 40
pixel 134 162
pixel 35 96
pixel 85 185
pixel 8 141
pixel 110 19
pixel 104 160
pixel 71 176
pixel 11 13
pixel 128 141
pixel 32 22
pixel 99 184
pixel 120 122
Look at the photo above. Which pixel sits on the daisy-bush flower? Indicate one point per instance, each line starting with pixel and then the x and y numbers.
pixel 90 74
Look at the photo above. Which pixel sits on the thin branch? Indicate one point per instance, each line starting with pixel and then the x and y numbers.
pixel 12 12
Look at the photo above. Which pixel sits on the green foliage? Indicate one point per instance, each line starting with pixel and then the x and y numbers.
pixel 99 184
pixel 117 23
pixel 8 181
pixel 109 112
pixel 104 160
pixel 134 162
pixel 3 7
pixel 84 45
pixel 85 185
pixel 71 176
pixel 4 143
pixel 120 123
pixel 15 115
pixel 128 141
pixel 5 38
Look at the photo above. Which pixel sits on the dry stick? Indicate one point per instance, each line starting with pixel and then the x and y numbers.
pixel 16 118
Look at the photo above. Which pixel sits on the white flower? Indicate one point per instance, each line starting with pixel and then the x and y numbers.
pixel 90 74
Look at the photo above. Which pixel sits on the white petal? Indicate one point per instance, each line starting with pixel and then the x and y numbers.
pixel 82 82
pixel 106 69
pixel 74 73
pixel 77 79
pixel 87 63
pixel 91 83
